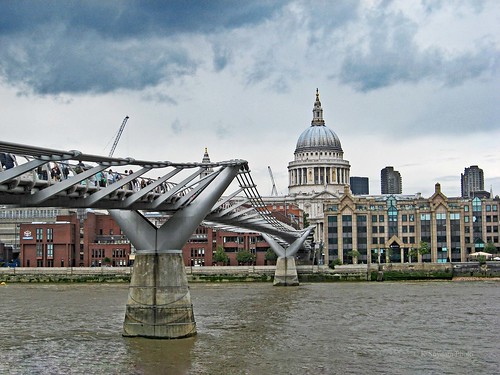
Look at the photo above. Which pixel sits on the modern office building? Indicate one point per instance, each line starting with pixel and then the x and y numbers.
pixel 472 181
pixel 385 228
pixel 359 185
pixel 390 181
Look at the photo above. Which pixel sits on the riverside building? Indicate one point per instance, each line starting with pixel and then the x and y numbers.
pixel 385 228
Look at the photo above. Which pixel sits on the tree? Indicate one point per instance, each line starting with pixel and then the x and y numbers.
pixel 490 248
pixel 334 263
pixel 245 257
pixel 423 248
pixel 305 218
pixel 354 254
pixel 270 255
pixel 220 256
pixel 412 253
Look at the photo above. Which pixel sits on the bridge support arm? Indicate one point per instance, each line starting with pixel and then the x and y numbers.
pixel 159 302
pixel 286 269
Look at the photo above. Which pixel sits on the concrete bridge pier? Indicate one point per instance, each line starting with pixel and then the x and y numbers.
pixel 159 303
pixel 286 270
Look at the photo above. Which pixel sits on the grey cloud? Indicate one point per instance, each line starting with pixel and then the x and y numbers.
pixel 123 19
pixel 222 57
pixel 390 55
pixel 176 127
pixel 55 47
pixel 64 65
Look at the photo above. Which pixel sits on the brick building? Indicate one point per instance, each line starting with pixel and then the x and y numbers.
pixel 65 243
pixel 52 244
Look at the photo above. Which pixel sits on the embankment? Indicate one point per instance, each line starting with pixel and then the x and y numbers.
pixel 352 272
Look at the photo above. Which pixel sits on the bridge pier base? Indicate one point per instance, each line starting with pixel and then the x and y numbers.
pixel 286 272
pixel 159 302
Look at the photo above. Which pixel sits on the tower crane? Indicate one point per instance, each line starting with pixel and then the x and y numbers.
pixel 120 131
pixel 274 191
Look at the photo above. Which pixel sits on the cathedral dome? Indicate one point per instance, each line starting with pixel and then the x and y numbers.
pixel 318 136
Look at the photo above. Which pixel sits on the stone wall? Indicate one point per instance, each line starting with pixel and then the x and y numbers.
pixel 351 272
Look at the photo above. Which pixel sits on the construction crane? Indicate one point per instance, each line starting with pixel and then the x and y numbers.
pixel 274 191
pixel 120 131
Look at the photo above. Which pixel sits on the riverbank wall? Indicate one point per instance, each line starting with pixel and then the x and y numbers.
pixel 351 272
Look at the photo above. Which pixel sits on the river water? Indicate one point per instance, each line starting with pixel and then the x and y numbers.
pixel 255 328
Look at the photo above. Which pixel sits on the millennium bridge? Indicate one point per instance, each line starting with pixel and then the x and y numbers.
pixel 220 194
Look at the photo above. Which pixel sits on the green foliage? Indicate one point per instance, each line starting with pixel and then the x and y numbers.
pixel 220 256
pixel 305 217
pixel 354 253
pixel 481 259
pixel 412 253
pixel 424 248
pixel 490 248
pixel 270 255
pixel 335 262
pixel 245 257
pixel 106 260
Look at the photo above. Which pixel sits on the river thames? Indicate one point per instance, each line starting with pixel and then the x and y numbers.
pixel 255 328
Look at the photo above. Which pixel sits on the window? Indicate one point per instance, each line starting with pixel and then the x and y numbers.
pixel 39 234
pixel 381 218
pixel 50 234
pixel 50 250
pixel 411 217
pixel 404 217
pixel 374 218
pixel 39 250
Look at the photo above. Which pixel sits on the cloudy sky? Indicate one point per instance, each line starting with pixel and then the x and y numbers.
pixel 410 84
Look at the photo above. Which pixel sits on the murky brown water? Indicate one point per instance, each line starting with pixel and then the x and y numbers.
pixel 254 328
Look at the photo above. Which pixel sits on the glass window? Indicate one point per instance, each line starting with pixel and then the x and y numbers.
pixel 466 219
pixel 381 218
pixel 411 217
pixel 39 250
pixel 50 250
pixel 374 218
pixel 50 233
pixel 404 218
